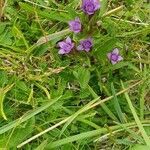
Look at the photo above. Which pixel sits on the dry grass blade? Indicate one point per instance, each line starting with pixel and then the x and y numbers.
pixel 43 132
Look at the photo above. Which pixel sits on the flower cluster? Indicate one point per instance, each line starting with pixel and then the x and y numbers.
pixel 89 7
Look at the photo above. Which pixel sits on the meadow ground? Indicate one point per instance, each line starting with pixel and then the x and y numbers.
pixel 89 92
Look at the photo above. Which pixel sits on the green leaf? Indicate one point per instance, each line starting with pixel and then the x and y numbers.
pixel 83 76
pixel 6 38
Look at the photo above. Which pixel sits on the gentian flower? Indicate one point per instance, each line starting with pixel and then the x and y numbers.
pixel 85 45
pixel 75 25
pixel 90 6
pixel 114 56
pixel 66 46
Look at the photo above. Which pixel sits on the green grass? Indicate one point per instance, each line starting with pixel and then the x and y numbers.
pixel 78 101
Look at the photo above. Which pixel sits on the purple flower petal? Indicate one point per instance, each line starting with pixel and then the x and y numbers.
pixel 120 58
pixel 68 40
pixel 97 4
pixel 87 49
pixel 61 44
pixel 80 48
pixel 61 51
pixel 66 46
pixel 71 23
pixel 114 56
pixel 115 51
pixel 72 45
pixel 113 62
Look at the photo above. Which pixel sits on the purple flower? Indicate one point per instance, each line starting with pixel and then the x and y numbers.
pixel 66 46
pixel 75 25
pixel 90 6
pixel 85 45
pixel 114 56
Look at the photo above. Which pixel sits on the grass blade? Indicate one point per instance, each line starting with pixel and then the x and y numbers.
pixel 3 92
pixel 117 105
pixel 42 145
pixel 75 115
pixel 104 106
pixel 27 116
pixel 71 118
pixel 86 135
pixel 137 120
